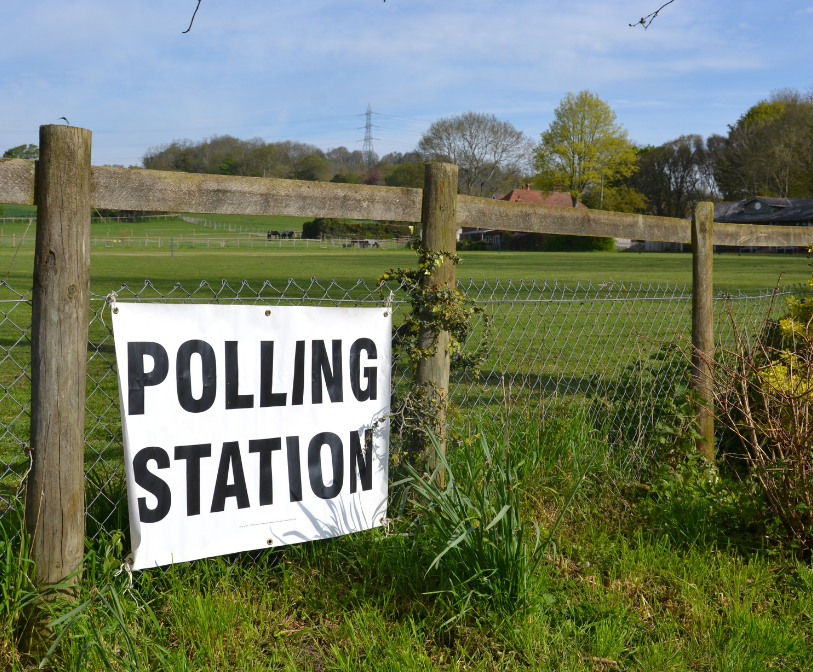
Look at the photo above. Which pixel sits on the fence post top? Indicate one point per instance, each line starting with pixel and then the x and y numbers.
pixel 442 163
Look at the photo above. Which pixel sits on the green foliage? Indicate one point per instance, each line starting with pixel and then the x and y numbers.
pixel 675 176
pixel 764 111
pixel 617 591
pixel 342 228
pixel 583 146
pixel 619 198
pixel 550 242
pixel 484 550
pixel 437 309
pixel 346 178
pixel 313 168
pixel 2 210
pixel 473 246
pixel 555 242
pixel 22 152
pixel 768 151
pixel 686 496
pixel 406 175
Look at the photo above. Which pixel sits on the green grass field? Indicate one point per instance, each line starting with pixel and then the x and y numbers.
pixel 661 576
pixel 112 267
pixel 686 580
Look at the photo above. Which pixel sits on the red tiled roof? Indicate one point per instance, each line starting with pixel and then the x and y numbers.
pixel 558 198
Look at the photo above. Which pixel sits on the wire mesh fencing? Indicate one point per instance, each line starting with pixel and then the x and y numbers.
pixel 618 351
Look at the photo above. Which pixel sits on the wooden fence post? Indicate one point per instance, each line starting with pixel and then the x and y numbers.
pixel 55 495
pixel 439 222
pixel 703 321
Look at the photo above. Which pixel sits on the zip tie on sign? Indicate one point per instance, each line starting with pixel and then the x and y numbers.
pixel 126 566
pixel 109 300
pixel 388 304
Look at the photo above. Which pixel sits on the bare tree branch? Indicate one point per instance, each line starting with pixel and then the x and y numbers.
pixel 647 20
pixel 198 7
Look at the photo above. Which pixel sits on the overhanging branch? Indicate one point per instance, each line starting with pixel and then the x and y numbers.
pixel 647 20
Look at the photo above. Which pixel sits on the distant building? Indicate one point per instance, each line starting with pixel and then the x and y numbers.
pixel 527 195
pixel 522 195
pixel 765 211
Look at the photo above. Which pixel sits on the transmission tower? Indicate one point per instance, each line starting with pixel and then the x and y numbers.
pixel 367 151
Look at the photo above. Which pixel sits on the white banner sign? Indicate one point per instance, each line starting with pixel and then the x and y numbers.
pixel 247 426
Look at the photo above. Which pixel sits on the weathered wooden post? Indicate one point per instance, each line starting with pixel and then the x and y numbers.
pixel 703 321
pixel 439 222
pixel 55 499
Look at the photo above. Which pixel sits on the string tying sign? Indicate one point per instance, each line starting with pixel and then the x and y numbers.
pixel 246 427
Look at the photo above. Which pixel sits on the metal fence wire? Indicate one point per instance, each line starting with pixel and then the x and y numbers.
pixel 612 349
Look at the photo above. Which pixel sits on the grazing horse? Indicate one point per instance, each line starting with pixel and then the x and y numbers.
pixel 272 234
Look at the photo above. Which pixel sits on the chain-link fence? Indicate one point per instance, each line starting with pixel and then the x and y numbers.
pixel 616 350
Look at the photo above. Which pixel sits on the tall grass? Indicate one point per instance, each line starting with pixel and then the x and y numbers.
pixel 486 551
pixel 616 588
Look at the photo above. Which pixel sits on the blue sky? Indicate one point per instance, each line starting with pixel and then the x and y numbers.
pixel 304 70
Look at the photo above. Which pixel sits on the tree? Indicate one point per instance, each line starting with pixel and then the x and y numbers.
pixel 768 151
pixel 346 178
pixel 313 168
pixel 675 176
pixel 406 175
pixel 583 148
pixel 490 153
pixel 22 152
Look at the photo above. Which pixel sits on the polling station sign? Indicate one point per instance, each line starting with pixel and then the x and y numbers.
pixel 247 426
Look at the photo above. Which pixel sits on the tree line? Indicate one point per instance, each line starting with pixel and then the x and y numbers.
pixel 768 151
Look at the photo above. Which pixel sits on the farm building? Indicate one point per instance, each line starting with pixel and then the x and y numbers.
pixel 765 211
pixel 522 195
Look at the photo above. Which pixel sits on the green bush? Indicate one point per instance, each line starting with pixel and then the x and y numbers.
pixel 342 228
pixel 474 245
pixel 530 242
pixel 346 178
pixel 555 242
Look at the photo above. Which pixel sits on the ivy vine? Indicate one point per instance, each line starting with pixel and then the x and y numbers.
pixel 419 409
pixel 437 308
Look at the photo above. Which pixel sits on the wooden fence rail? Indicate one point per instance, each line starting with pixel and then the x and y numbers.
pixel 62 267
pixel 135 189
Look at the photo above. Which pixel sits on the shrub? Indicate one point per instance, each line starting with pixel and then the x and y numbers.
pixel 342 228
pixel 346 178
pixel 555 242
pixel 529 242
pixel 763 393
pixel 474 246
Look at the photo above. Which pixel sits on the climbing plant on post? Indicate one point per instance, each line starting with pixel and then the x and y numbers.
pixel 434 333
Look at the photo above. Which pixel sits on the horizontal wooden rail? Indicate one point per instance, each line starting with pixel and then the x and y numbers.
pixel 17 181
pixel 157 190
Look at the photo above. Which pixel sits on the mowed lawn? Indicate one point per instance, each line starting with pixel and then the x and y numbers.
pixel 110 268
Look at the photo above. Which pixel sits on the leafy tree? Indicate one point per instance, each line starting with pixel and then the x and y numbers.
pixel 227 155
pixel 583 148
pixel 769 151
pixel 313 168
pixel 619 197
pixel 406 175
pixel 346 178
pixel 675 176
pixel 22 152
pixel 490 153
